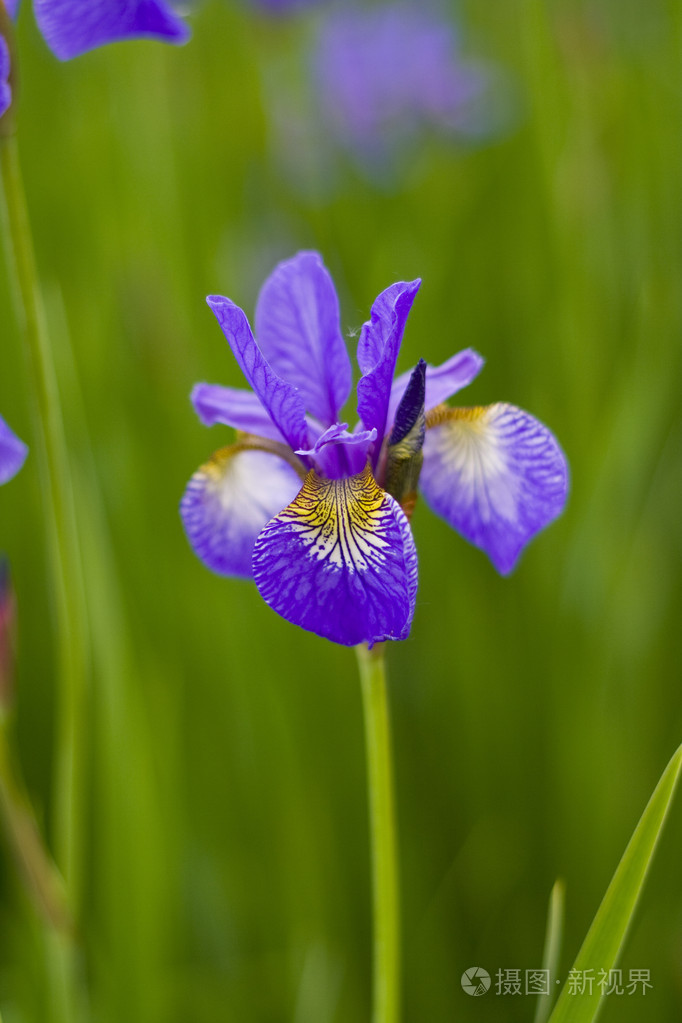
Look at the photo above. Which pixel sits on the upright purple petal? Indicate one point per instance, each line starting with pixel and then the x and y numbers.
pixel 5 89
pixel 496 474
pixel 299 333
pixel 229 500
pixel 233 407
pixel 282 401
pixel 441 381
pixel 72 27
pixel 12 452
pixel 12 7
pixel 340 561
pixel 378 349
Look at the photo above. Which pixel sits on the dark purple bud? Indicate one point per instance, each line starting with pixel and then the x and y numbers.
pixel 411 407
pixel 404 455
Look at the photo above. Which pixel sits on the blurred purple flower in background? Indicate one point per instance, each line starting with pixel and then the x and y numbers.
pixel 12 452
pixel 71 27
pixel 284 7
pixel 5 90
pixel 387 74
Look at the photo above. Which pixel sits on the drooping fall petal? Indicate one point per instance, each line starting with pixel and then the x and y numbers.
pixel 495 474
pixel 229 500
pixel 340 561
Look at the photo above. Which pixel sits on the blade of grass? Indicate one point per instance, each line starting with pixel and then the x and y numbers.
pixel 606 936
pixel 552 949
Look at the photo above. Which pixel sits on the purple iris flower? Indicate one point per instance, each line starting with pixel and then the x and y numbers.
pixel 5 90
pixel 387 73
pixel 12 453
pixel 72 27
pixel 317 514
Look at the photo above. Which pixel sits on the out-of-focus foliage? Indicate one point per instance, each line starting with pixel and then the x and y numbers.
pixel 227 846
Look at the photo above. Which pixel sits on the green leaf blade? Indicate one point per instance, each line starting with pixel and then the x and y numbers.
pixel 606 936
pixel 552 949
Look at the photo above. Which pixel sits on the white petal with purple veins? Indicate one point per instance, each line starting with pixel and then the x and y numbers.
pixel 496 474
pixel 229 500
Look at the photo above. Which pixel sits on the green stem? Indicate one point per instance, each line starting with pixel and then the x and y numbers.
pixel 46 888
pixel 60 515
pixel 386 985
pixel 42 879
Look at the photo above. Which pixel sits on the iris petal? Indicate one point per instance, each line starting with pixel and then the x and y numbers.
pixel 72 27
pixel 299 333
pixel 340 561
pixel 12 452
pixel 378 349
pixel 282 401
pixel 229 500
pixel 441 381
pixel 337 453
pixel 233 407
pixel 496 474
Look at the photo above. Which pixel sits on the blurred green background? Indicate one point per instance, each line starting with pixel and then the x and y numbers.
pixel 226 841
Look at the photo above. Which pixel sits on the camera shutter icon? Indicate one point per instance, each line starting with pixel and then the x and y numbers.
pixel 475 981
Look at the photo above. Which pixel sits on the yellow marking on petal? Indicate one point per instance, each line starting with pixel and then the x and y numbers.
pixel 468 442
pixel 444 414
pixel 215 468
pixel 342 521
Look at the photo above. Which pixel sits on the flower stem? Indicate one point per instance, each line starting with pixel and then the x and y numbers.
pixel 60 514
pixel 42 879
pixel 386 984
